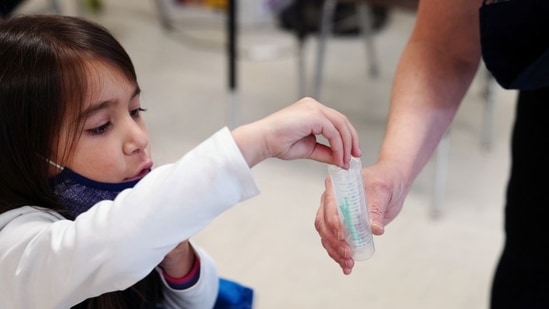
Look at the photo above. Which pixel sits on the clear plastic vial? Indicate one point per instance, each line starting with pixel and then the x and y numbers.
pixel 353 211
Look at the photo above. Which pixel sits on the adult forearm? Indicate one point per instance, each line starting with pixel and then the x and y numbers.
pixel 428 89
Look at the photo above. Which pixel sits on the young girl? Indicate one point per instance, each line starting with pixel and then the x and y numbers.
pixel 85 222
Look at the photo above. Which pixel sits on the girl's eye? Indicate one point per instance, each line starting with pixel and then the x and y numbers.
pixel 136 112
pixel 100 129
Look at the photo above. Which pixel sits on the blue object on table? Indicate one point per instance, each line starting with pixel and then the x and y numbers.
pixel 233 295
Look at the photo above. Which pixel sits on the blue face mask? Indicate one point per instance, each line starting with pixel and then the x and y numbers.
pixel 79 193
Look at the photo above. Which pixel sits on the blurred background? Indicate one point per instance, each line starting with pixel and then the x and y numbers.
pixel 442 249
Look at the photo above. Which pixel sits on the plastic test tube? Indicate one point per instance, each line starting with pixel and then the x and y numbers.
pixel 353 211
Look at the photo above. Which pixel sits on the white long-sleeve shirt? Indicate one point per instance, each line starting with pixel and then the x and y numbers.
pixel 48 262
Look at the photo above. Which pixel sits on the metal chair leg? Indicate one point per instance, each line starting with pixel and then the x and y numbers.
pixel 487 135
pixel 440 175
pixel 163 14
pixel 301 37
pixel 55 7
pixel 328 10
pixel 365 21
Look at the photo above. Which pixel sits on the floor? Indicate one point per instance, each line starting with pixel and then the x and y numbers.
pixel 269 243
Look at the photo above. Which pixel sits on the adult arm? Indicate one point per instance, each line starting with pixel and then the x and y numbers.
pixel 434 72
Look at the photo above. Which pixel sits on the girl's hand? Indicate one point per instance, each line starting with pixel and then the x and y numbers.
pixel 291 133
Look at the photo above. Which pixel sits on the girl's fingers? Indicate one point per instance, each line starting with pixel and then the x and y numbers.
pixel 345 143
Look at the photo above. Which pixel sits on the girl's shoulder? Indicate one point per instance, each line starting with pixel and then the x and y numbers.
pixel 28 213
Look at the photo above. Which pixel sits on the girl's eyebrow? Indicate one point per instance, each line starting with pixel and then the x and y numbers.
pixel 95 107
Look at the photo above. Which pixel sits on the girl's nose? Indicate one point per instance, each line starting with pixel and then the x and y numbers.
pixel 137 137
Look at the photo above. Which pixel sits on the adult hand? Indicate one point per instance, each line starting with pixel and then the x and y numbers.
pixel 385 193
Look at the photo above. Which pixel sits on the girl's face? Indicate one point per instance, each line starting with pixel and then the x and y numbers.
pixel 114 144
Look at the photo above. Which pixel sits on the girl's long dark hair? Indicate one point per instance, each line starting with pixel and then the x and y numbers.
pixel 44 64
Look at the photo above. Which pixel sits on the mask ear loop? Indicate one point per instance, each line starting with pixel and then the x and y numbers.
pixel 59 167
